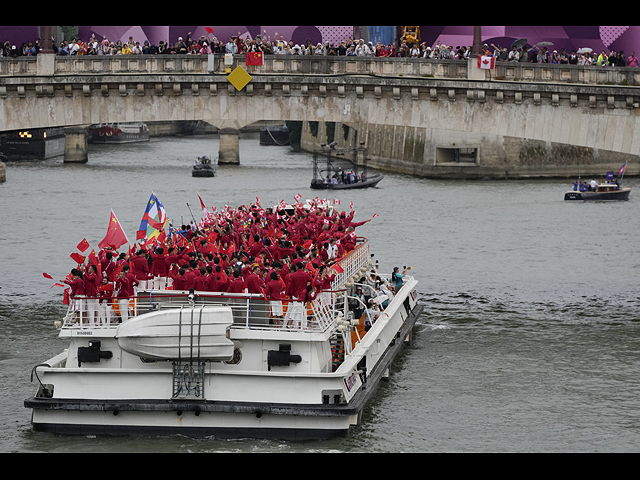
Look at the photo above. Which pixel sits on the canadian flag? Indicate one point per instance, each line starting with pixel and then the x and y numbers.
pixel 487 63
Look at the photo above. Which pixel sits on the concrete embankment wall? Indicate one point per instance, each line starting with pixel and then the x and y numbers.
pixel 435 153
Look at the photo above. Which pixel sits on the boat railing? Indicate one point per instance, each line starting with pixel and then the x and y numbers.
pixel 251 312
pixel 354 266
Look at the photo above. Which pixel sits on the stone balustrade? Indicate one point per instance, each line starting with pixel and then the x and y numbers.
pixel 316 65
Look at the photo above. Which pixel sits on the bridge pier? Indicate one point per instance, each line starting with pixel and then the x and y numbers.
pixel 229 152
pixel 76 145
pixel 3 172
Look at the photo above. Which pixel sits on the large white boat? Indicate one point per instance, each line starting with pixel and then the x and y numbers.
pixel 203 364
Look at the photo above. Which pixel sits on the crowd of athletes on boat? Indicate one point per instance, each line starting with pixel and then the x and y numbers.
pixel 208 44
pixel 283 257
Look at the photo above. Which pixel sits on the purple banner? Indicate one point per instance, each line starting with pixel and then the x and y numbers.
pixel 570 37
pixel 170 34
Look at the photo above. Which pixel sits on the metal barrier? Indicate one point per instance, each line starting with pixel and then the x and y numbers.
pixel 249 311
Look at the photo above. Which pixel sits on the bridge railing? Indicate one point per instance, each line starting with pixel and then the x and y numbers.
pixel 318 65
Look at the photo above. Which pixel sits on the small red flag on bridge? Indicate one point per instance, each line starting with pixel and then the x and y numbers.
pixel 487 63
pixel 255 58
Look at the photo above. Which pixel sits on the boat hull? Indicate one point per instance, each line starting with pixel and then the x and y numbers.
pixel 116 134
pixel 203 173
pixel 229 419
pixel 619 196
pixel 371 183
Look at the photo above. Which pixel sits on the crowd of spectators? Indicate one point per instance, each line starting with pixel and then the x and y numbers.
pixel 351 47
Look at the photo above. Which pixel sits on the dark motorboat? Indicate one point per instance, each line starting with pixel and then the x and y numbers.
pixel 365 182
pixel 204 168
pixel 332 178
pixel 605 192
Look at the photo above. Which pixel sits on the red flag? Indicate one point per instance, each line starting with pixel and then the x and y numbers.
pixel 83 246
pixel 209 30
pixel 79 259
pixel 338 268
pixel 115 234
pixel 487 63
pixel 46 275
pixel 255 58
pixel 66 300
pixel 141 235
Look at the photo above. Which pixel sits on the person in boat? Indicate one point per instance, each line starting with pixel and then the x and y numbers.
pixel 359 307
pixel 273 291
pixel 179 279
pixel 237 285
pixel 325 281
pixel 576 185
pixel 123 296
pixel 254 283
pixel 397 279
pixel 91 286
pixel 76 282
pixel 105 292
pixel 159 269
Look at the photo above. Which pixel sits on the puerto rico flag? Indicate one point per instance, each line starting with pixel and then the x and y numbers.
pixel 487 63
pixel 622 170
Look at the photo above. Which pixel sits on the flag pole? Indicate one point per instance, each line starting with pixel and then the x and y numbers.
pixel 194 218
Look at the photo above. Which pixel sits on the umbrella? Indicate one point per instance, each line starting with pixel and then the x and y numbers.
pixel 544 44
pixel 585 50
pixel 520 43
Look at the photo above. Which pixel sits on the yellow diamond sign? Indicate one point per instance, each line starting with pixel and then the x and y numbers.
pixel 239 78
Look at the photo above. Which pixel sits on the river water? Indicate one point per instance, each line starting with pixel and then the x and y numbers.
pixel 529 341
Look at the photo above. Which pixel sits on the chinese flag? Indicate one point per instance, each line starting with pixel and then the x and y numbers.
pixel 255 58
pixel 79 259
pixel 83 246
pixel 338 268
pixel 116 237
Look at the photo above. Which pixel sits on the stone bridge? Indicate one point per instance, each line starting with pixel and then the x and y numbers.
pixel 429 118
